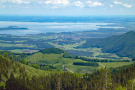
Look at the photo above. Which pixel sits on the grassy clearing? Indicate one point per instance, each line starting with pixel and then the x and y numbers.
pixel 17 45
pixel 68 46
pixel 7 45
pixel 115 64
pixel 16 51
pixel 54 59
pixel 57 60
pixel 111 56
pixel 81 69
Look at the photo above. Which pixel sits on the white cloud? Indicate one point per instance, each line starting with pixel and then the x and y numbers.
pixel 16 1
pixel 111 5
pixel 79 4
pixel 126 5
pixel 92 4
pixel 123 4
pixel 63 2
pixel 115 2
pixel 48 2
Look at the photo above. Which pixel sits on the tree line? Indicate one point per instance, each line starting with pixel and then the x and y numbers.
pixel 86 64
pixel 67 55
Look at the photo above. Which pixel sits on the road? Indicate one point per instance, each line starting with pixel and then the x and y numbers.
pixel 102 65
pixel 68 69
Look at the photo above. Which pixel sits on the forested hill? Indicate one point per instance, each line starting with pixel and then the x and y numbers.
pixel 122 45
pixel 52 50
pixel 16 76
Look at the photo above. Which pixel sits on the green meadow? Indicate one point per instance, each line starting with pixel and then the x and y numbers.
pixel 57 60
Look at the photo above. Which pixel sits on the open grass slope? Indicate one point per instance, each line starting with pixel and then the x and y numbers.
pixel 56 60
pixel 114 64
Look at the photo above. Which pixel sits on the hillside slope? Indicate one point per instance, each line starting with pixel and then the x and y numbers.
pixel 58 61
pixel 122 45
pixel 10 67
pixel 14 76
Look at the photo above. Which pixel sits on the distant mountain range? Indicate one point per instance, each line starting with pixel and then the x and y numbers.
pixel 122 45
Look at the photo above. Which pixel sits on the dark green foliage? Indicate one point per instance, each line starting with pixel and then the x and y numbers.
pixel 68 41
pixel 58 69
pixel 16 83
pixel 125 61
pixel 104 60
pixel 52 50
pixel 6 54
pixel 17 56
pixel 11 58
pixel 23 61
pixel 35 66
pixel 40 44
pixel 64 80
pixel 46 67
pixel 67 55
pixel 0 53
pixel 86 64
pixel 122 45
pixel 80 53
pixel 116 69
pixel 133 59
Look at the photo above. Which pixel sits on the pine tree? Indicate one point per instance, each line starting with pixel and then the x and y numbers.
pixel 131 84
pixel 0 53
pixel 58 84
pixel 6 54
pixel 106 78
pixel 120 88
pixel 11 58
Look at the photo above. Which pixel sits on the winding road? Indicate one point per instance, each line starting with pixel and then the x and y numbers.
pixel 102 65
pixel 68 69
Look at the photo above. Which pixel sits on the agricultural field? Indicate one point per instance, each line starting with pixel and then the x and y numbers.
pixel 58 61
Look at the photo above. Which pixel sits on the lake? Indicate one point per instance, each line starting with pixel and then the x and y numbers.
pixel 37 27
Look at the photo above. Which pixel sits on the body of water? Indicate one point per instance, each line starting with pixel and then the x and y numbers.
pixel 37 27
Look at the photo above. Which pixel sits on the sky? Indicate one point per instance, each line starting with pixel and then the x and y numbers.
pixel 67 7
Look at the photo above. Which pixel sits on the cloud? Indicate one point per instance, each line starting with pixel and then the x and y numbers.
pixel 16 1
pixel 62 2
pixel 126 5
pixel 123 4
pixel 111 5
pixel 93 4
pixel 115 2
pixel 79 4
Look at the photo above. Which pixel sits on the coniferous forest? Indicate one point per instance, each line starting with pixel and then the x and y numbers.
pixel 15 77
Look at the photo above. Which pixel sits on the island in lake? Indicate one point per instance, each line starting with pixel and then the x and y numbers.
pixel 13 28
